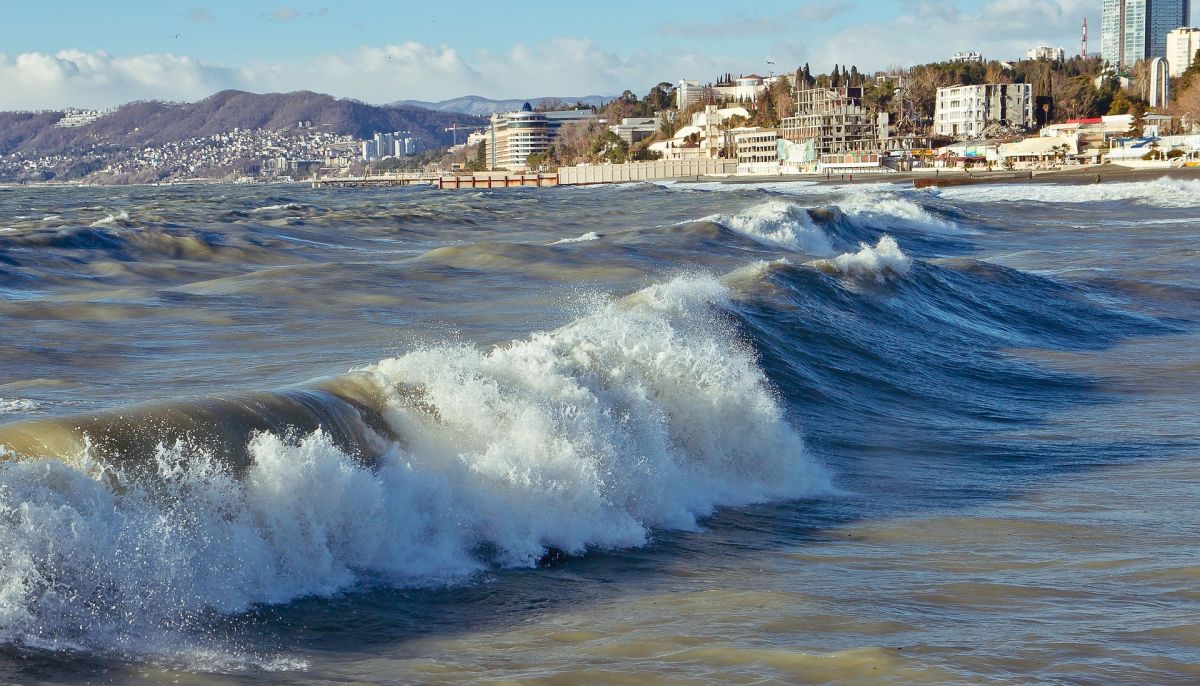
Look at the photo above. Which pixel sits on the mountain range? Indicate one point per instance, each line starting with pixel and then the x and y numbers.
pixel 139 124
pixel 483 107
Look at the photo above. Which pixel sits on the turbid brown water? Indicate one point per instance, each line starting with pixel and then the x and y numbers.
pixel 679 434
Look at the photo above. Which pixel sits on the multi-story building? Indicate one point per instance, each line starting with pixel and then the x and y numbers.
pixel 1045 52
pixel 689 93
pixel 1182 46
pixel 965 111
pixel 512 137
pixel 634 129
pixel 757 150
pixel 833 119
pixel 1132 30
pixel 967 56
pixel 741 89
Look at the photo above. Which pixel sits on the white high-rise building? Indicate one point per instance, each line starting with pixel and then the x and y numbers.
pixel 688 93
pixel 1182 46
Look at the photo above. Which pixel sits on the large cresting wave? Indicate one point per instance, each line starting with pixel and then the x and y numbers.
pixel 645 413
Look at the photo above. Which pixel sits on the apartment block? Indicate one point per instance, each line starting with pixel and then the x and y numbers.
pixel 966 111
pixel 1182 46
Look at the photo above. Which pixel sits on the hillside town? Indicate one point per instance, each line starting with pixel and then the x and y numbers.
pixel 1136 103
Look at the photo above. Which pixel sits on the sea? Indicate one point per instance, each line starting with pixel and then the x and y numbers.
pixel 654 433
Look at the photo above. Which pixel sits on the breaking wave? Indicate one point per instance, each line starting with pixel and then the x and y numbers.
pixel 889 210
pixel 780 224
pixel 646 413
pixel 1163 192
pixel 117 219
pixel 876 262
pixel 589 236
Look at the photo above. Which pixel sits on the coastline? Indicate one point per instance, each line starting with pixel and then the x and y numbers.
pixel 1105 173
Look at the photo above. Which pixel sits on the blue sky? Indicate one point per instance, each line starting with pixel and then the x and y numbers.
pixel 72 52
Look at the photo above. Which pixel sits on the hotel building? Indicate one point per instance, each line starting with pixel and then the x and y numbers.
pixel 513 136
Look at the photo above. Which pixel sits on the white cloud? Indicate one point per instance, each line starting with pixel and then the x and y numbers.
pixel 409 70
pixel 935 29
pixel 563 67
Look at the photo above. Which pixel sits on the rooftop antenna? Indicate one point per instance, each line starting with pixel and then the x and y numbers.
pixel 1083 43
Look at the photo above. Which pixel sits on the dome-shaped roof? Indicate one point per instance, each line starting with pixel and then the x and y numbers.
pixel 526 107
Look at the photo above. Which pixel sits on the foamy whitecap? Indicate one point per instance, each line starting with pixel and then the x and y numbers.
pixel 1163 192
pixel 645 413
pixel 787 187
pixel 778 223
pixel 111 219
pixel 291 206
pixel 889 210
pixel 17 405
pixel 874 262
pixel 589 236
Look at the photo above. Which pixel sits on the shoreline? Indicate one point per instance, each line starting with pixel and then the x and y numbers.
pixel 1105 173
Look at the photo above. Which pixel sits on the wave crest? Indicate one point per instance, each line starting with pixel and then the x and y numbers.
pixel 876 262
pixel 645 413
pixel 778 224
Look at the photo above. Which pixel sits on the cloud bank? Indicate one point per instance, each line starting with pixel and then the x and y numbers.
pixel 927 30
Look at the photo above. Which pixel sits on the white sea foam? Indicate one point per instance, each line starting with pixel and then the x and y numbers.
pixel 889 210
pixel 876 262
pixel 1163 192
pixel 589 236
pixel 17 405
pixel 646 413
pixel 111 219
pixel 779 224
pixel 790 187
pixel 291 206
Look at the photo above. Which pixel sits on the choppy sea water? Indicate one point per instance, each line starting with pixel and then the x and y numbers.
pixel 677 434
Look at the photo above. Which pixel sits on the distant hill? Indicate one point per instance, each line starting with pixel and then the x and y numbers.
pixel 482 107
pixel 142 123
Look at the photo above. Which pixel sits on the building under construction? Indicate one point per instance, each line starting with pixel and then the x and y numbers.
pixel 834 119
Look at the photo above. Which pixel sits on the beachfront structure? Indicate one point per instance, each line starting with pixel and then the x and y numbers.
pixel 965 111
pixel 757 150
pixel 1183 44
pixel 1045 52
pixel 1040 151
pixel 967 56
pixel 833 119
pixel 511 137
pixel 1132 30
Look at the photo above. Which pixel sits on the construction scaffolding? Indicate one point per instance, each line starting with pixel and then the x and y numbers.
pixel 834 119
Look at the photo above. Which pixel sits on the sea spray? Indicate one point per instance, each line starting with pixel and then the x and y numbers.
pixel 1163 192
pixel 889 210
pixel 778 224
pixel 876 262
pixel 644 413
